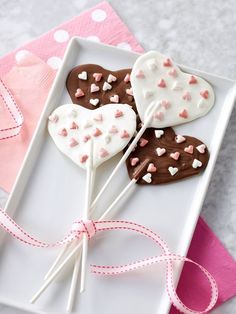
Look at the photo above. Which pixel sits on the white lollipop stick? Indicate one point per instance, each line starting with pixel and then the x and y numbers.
pixel 88 195
pixel 149 115
pixel 78 246
pixel 66 247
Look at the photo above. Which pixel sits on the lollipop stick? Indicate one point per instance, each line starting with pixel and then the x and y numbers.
pixel 78 246
pixel 88 195
pixel 66 247
pixel 149 115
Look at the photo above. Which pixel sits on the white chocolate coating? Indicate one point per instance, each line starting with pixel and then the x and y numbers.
pixel 90 122
pixel 167 84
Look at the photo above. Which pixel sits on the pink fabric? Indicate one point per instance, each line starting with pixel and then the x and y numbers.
pixel 30 79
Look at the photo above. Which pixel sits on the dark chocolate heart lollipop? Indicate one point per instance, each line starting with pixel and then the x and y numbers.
pixel 92 86
pixel 172 157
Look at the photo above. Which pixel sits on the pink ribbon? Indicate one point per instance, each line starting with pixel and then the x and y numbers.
pixel 14 111
pixel 92 227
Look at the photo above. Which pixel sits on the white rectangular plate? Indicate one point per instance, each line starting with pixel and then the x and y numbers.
pixel 49 193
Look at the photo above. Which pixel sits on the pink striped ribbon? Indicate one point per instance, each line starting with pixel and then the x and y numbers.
pixel 14 111
pixel 92 227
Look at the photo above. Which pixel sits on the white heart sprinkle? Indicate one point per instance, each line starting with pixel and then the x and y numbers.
pixel 201 104
pixel 201 148
pixel 114 98
pixel 106 86
pixel 173 170
pixel 159 133
pixel 180 139
pixel 107 139
pixel 196 163
pixel 73 114
pixel 147 93
pixel 94 101
pixel 177 87
pixel 147 178
pixel 160 151
pixel 83 76
pixel 151 64
pixel 111 78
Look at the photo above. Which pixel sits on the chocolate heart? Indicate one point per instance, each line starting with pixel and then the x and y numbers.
pixel 172 157
pixel 92 86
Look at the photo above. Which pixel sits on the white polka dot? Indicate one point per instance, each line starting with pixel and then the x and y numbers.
pixel 98 15
pixel 20 55
pixel 93 38
pixel 54 62
pixel 124 45
pixel 61 36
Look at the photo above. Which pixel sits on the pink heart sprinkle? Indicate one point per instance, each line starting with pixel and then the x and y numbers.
pixel 124 134
pixel 129 91
pixel 201 148
pixel 83 158
pixel 184 114
pixel 98 117
pixel 97 132
pixel 79 93
pixel 53 118
pixel 189 149
pixel 113 130
pixel 114 98
pixel 73 142
pixel 160 151
pixel 165 104
pixel 73 125
pixel 140 74
pixel 162 83
pixel 119 113
pixel 187 96
pixel 180 139
pixel 86 138
pixel 94 88
pixel 143 142
pixel 167 63
pixel 192 80
pixel 103 153
pixel 175 155
pixel 127 78
pixel 62 132
pixel 151 168
pixel 159 115
pixel 97 76
pixel 173 73
pixel 134 161
pixel 204 94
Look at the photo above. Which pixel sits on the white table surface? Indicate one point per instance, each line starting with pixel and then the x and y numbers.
pixel 197 33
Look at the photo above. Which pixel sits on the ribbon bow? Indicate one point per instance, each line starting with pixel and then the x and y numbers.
pixel 91 228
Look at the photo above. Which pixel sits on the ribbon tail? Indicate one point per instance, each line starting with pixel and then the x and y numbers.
pixel 169 259
pixel 11 227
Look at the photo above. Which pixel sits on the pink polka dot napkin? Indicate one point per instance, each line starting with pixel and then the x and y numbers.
pixel 29 71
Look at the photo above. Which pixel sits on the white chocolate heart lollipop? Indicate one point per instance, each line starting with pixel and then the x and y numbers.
pixel 182 97
pixel 110 127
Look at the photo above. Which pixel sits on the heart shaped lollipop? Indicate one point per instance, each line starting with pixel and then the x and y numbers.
pixel 172 157
pixel 92 86
pixel 110 127
pixel 182 97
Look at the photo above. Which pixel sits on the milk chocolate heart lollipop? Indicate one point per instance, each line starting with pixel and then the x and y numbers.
pixel 183 97
pixel 110 127
pixel 172 157
pixel 92 86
